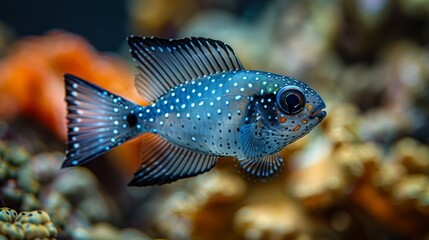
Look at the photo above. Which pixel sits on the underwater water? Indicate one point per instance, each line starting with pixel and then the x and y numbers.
pixel 361 174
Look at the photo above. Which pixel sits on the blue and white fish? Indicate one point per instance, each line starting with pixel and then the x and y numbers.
pixel 205 106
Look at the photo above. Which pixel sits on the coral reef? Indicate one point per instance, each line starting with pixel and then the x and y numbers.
pixel 26 225
pixel 71 200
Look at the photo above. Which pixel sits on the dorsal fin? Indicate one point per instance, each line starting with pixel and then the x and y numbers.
pixel 164 63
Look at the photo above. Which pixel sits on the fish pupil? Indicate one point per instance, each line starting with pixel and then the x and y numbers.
pixel 292 101
pixel 131 120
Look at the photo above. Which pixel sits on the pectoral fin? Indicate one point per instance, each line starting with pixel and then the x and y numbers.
pixel 251 138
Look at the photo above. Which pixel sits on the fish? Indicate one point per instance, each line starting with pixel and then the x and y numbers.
pixel 204 105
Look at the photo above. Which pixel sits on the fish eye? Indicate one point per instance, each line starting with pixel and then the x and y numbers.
pixel 291 100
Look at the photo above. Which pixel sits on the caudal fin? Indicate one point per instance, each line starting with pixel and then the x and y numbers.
pixel 97 121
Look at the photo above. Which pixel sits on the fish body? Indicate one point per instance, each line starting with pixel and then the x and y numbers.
pixel 205 105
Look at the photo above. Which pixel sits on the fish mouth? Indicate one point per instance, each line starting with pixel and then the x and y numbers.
pixel 318 113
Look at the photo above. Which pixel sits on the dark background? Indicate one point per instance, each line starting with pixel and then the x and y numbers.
pixel 102 23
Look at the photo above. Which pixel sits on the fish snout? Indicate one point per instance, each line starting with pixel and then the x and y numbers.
pixel 318 112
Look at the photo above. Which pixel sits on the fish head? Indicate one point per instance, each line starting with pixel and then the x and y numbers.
pixel 297 110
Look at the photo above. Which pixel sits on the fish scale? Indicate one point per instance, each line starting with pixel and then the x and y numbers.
pixel 205 106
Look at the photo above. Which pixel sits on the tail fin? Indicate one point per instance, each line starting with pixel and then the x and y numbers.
pixel 97 121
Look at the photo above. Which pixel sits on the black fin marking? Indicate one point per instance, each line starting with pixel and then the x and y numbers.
pixel 164 163
pixel 97 121
pixel 261 168
pixel 164 64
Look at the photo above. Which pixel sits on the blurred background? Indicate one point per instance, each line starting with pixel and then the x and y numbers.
pixel 362 174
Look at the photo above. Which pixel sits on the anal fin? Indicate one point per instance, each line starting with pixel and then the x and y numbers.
pixel 164 162
pixel 261 168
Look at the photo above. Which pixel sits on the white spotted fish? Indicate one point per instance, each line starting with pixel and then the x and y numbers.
pixel 205 106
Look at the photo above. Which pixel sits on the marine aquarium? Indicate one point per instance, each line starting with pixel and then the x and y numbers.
pixel 259 120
